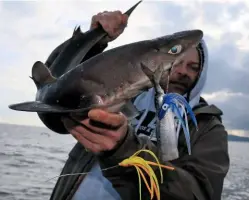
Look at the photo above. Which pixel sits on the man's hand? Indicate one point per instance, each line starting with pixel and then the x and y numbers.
pixel 113 23
pixel 99 139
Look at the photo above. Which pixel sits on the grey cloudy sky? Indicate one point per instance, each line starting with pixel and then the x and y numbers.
pixel 29 31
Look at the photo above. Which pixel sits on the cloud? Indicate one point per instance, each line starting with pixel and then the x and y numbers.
pixel 234 106
pixel 29 31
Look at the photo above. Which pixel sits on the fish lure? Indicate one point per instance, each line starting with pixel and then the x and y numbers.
pixel 139 163
pixel 178 103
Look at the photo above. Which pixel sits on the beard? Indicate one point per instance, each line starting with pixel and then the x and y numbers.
pixel 180 84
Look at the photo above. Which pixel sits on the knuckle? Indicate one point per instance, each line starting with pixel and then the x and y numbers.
pixel 118 12
pixel 104 14
pixel 112 134
pixel 94 17
pixel 122 118
pixel 97 17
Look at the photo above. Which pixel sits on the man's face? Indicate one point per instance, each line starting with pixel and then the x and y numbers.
pixel 184 74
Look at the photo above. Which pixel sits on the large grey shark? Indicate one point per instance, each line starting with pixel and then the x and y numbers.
pixel 108 80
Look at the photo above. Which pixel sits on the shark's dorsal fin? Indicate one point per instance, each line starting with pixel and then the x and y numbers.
pixel 41 74
pixel 77 30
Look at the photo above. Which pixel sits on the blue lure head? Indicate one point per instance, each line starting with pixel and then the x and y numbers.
pixel 174 101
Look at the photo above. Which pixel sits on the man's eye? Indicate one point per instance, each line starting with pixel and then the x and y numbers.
pixel 194 67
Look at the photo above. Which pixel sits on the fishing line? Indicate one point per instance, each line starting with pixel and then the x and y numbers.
pixel 75 174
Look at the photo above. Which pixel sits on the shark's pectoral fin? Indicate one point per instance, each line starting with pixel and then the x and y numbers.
pixel 154 77
pixel 41 74
pixel 36 106
pixel 124 106
pixel 147 71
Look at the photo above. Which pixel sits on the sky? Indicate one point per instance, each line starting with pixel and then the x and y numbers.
pixel 30 30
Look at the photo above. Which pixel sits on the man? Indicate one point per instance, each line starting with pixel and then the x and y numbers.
pixel 198 176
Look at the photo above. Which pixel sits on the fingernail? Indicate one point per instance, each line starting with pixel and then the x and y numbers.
pixel 95 114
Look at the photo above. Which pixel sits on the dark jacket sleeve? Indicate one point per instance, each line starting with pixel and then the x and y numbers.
pixel 198 176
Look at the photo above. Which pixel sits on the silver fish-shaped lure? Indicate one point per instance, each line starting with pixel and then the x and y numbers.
pixel 166 139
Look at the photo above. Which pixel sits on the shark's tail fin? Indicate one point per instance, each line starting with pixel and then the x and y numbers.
pixel 128 12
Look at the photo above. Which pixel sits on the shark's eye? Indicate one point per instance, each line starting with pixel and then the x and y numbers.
pixel 175 49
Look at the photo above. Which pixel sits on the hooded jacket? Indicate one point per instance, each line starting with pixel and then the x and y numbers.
pixel 197 176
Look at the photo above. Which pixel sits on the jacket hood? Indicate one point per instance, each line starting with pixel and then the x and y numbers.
pixel 195 93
